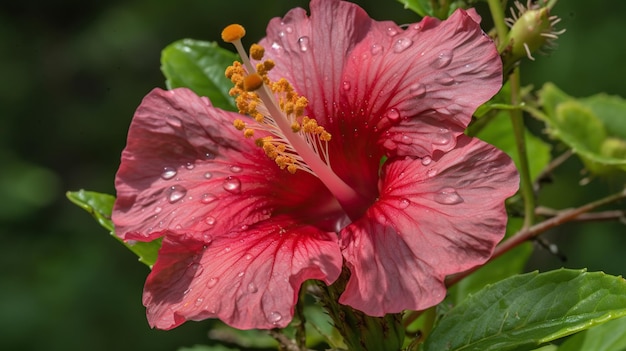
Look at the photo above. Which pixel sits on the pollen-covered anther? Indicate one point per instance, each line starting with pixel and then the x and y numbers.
pixel 233 32
pixel 257 51
pixel 239 124
pixel 252 82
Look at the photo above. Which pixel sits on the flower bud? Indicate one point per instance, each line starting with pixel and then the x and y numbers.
pixel 531 30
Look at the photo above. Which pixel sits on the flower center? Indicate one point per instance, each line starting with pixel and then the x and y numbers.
pixel 295 141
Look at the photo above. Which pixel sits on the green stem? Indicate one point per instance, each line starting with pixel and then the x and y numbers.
pixel 517 119
pixel 497 13
pixel 360 331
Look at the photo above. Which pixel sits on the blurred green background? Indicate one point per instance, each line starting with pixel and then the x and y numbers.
pixel 73 73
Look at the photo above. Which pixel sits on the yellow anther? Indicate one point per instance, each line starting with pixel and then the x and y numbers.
pixel 239 124
pixel 296 127
pixel 248 133
pixel 233 33
pixel 325 136
pixel 252 82
pixel 257 51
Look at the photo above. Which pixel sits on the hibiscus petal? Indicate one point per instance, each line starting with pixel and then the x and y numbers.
pixel 413 90
pixel 436 217
pixel 248 279
pixel 185 166
pixel 424 83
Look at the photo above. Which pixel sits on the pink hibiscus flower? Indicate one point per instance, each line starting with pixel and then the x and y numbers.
pixel 241 235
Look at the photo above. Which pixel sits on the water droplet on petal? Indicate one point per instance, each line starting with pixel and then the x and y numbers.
pixel 346 85
pixel 274 317
pixel 443 59
pixel 303 42
pixel 391 31
pixel 189 166
pixel 240 274
pixel 175 193
pixel 199 301
pixel 207 198
pixel 207 238
pixel 402 44
pixel 376 49
pixel 276 46
pixel 210 220
pixel 158 209
pixel 426 160
pixel 227 249
pixel 174 121
pixel 445 79
pixel 194 270
pixel 417 90
pixel 248 256
pixel 289 29
pixel 207 175
pixel 442 139
pixel 404 203
pixel 236 169
pixel 431 172
pixel 212 282
pixel 232 185
pixel 168 173
pixel 252 288
pixel 448 196
pixel 393 115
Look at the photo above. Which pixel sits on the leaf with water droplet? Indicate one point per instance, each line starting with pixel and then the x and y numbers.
pixel 200 66
pixel 100 207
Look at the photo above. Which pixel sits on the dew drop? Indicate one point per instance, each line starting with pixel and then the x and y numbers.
pixel 190 166
pixel 207 175
pixel 175 193
pixel 210 220
pixel 426 160
pixel 207 198
pixel 346 85
pixel 443 59
pixel 240 274
pixel 402 44
pixel 168 173
pixel 236 169
pixel 252 288
pixel 158 209
pixel 248 256
pixel 195 270
pixel 417 90
pixel 274 317
pixel 404 203
pixel 441 139
pixel 207 238
pixel 448 196
pixel 275 46
pixel 445 79
pixel 391 31
pixel 232 185
pixel 393 115
pixel 227 249
pixel 174 121
pixel 303 42
pixel 211 283
pixel 431 173
pixel 199 301
pixel 376 49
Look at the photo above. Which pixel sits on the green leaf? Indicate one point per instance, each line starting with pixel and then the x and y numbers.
pixel 441 10
pixel 100 206
pixel 524 311
pixel 594 127
pixel 610 336
pixel 499 133
pixel 199 66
